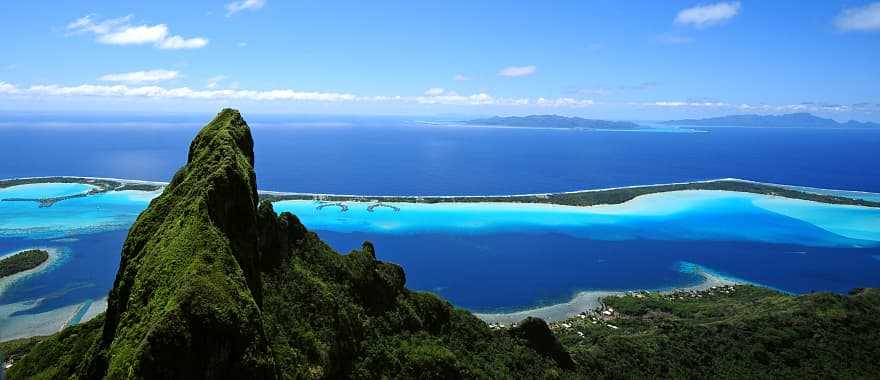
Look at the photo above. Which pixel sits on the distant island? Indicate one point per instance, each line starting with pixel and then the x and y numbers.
pixel 22 261
pixel 801 119
pixel 554 121
pixel 213 283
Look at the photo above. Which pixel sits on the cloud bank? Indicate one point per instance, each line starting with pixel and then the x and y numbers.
pixel 149 76
pixel 120 31
pixel 431 96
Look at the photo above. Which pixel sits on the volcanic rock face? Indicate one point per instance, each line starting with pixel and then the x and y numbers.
pixel 212 285
pixel 185 302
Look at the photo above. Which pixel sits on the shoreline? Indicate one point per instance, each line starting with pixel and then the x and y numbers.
pixel 590 300
pixel 47 179
pixel 54 258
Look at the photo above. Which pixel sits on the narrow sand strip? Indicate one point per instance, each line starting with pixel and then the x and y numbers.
pixel 22 326
pixel 55 256
pixel 591 300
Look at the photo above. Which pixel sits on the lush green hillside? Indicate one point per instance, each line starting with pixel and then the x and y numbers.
pixel 22 261
pixel 742 332
pixel 211 286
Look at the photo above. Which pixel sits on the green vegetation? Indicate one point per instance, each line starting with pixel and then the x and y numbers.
pixel 742 332
pixel 22 261
pixel 554 121
pixel 105 184
pixel 101 186
pixel 53 357
pixel 211 285
pixel 602 197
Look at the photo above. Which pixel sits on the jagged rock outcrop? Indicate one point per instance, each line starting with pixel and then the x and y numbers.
pixel 186 299
pixel 212 285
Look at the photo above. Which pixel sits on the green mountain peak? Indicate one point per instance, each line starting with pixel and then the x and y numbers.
pixel 214 285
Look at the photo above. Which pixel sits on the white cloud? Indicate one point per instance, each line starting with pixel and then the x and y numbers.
pixel 7 88
pixel 438 95
pixel 564 102
pixel 215 80
pixel 186 93
pixel 702 16
pixel 435 91
pixel 242 44
pixel 178 42
pixel 746 107
pixel 517 71
pixel 87 24
pixel 238 6
pixel 135 35
pixel 461 77
pixel 452 98
pixel 434 96
pixel 148 76
pixel 120 31
pixel 865 18
pixel 688 104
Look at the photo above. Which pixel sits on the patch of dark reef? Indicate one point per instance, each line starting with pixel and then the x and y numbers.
pixel 214 285
pixel 22 261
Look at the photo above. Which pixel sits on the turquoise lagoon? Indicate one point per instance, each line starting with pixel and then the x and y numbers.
pixel 680 215
pixel 488 257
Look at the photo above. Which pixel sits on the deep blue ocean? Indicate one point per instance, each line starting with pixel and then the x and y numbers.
pixel 487 271
pixel 347 155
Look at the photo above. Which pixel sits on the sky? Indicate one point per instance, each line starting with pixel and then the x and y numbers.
pixel 634 60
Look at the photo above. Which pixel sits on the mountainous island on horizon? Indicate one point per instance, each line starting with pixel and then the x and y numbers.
pixel 800 119
pixel 215 284
pixel 554 121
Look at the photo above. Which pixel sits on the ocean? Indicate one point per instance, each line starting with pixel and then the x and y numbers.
pixel 484 257
pixel 348 155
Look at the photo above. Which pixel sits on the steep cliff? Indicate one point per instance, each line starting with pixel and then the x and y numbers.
pixel 213 285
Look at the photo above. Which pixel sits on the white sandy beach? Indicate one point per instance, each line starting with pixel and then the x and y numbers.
pixel 55 256
pixel 592 299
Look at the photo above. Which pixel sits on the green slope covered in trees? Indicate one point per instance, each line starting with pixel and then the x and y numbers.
pixel 213 285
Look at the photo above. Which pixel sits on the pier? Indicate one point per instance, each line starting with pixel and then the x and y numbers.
pixel 342 206
pixel 372 207
pixel 48 202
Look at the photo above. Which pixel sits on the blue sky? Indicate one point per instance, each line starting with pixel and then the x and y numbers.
pixel 605 59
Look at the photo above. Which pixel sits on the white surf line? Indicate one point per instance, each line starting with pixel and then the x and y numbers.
pixel 269 192
pixel 275 192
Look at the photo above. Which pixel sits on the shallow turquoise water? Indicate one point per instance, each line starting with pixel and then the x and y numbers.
pixel 44 190
pixel 482 256
pixel 101 212
pixel 683 215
